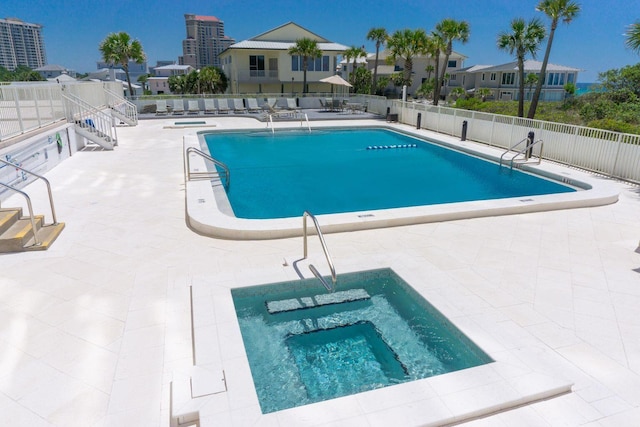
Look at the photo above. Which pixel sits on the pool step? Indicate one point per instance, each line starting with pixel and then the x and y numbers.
pixel 294 304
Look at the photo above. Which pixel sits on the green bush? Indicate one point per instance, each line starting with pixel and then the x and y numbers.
pixel 614 125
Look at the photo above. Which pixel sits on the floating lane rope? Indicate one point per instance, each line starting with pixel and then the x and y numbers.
pixel 385 147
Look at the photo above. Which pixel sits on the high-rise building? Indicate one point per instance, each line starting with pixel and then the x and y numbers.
pixel 21 43
pixel 205 40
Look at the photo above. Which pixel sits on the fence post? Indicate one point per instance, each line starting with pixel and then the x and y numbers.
pixel 615 162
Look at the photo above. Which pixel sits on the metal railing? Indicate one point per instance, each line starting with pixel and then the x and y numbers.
pixel 329 287
pixel 26 196
pixel 122 107
pixel 208 175
pixel 91 119
pixel 528 146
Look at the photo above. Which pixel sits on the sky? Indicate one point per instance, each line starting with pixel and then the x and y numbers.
pixel 73 29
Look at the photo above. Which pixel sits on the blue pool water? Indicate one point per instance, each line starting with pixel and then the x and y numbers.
pixel 305 345
pixel 333 171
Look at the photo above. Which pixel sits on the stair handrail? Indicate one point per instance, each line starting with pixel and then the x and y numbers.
pixel 205 175
pixel 36 242
pixel 46 181
pixel 81 111
pixel 113 100
pixel 315 272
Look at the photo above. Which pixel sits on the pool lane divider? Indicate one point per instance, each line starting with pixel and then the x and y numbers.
pixel 294 304
pixel 386 147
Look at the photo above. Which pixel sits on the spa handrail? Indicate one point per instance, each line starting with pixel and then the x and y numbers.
pixel 205 175
pixel 46 181
pixel 36 242
pixel 315 272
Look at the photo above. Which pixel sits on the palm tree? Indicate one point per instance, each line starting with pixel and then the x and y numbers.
pixel 406 44
pixel 118 48
pixel 633 37
pixel 305 48
pixel 530 81
pixel 378 35
pixel 436 46
pixel 354 53
pixel 449 30
pixel 522 39
pixel 556 10
pixel 208 79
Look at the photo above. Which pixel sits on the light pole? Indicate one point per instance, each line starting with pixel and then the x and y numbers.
pixel 292 78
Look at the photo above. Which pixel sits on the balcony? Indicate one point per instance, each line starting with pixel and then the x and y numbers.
pixel 258 76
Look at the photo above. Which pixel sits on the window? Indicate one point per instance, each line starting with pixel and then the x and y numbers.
pixel 571 78
pixel 452 77
pixel 256 65
pixel 508 78
pixel 313 64
pixel 452 63
pixel 482 76
pixel 493 77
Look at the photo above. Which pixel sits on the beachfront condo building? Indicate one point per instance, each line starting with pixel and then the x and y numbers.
pixel 205 40
pixel 21 43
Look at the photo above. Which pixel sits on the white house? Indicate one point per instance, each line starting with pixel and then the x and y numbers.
pixel 262 63
pixel 503 80
pixel 159 84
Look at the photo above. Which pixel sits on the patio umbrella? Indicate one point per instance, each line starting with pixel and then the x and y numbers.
pixel 336 80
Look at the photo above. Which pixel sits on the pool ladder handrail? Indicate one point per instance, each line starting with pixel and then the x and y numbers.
pixel 303 118
pixel 330 287
pixel 208 174
pixel 526 148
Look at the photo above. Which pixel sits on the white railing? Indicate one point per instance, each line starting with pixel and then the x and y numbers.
pixel 121 106
pixel 26 107
pixel 609 153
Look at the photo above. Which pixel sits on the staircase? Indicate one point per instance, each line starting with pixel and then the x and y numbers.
pixel 17 233
pixel 121 109
pixel 91 122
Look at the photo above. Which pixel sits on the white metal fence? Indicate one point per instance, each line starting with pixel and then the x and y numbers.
pixel 609 153
pixel 29 106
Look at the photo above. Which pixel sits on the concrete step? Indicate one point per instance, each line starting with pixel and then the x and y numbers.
pixel 17 234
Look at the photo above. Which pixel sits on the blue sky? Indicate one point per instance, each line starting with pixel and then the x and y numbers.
pixel 594 42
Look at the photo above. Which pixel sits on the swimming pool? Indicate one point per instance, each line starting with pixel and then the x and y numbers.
pixel 306 346
pixel 350 170
pixel 210 212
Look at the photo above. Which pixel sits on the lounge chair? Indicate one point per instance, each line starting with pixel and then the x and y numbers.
pixel 178 106
pixel 223 106
pixel 323 104
pixel 252 105
pixel 193 107
pixel 238 106
pixel 209 106
pixel 161 107
pixel 273 103
pixel 292 105
pixel 276 112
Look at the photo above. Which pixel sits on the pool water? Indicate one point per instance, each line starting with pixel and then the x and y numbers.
pixel 305 345
pixel 334 171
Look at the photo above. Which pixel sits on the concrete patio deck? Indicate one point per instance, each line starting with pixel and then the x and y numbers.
pixel 94 330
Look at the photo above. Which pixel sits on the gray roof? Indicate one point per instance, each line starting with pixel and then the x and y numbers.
pixel 529 66
pixel 267 45
pixel 51 67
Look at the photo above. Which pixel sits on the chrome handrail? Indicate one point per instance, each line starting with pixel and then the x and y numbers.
pixel 527 147
pixel 315 272
pixel 46 181
pixel 31 216
pixel 205 175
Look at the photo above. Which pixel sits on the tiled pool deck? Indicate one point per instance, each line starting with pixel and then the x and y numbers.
pixel 94 330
